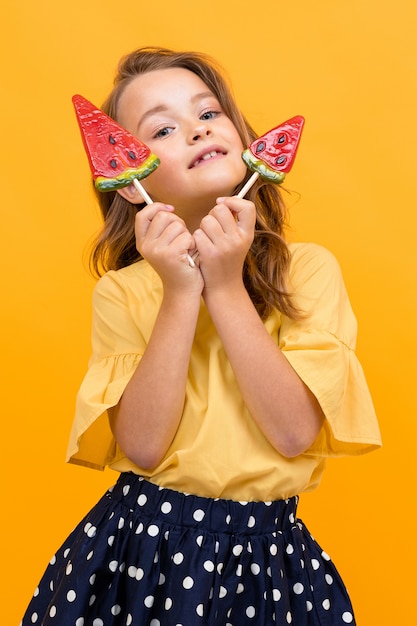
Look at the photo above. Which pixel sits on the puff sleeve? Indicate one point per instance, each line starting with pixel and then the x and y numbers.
pixel 117 346
pixel 321 349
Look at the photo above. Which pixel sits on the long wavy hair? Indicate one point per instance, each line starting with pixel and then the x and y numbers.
pixel 265 269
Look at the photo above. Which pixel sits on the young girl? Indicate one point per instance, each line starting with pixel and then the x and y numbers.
pixel 217 391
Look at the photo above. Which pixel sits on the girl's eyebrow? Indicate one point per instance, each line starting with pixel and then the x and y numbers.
pixel 160 108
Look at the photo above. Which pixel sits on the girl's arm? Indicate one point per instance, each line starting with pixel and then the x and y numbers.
pixel 146 419
pixel 280 403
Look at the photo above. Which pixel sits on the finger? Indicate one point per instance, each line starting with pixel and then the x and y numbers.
pixel 243 210
pixel 145 217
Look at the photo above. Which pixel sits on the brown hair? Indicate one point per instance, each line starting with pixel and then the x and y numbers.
pixel 266 265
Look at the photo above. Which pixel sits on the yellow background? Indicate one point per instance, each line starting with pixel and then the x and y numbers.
pixel 349 67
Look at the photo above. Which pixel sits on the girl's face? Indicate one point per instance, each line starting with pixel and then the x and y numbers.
pixel 174 113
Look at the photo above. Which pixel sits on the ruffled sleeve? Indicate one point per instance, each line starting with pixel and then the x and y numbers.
pixel 321 349
pixel 117 346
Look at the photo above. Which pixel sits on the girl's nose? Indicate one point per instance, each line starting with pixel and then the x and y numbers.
pixel 199 131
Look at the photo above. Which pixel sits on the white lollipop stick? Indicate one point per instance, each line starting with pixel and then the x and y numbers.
pixel 242 193
pixel 142 191
pixel 148 200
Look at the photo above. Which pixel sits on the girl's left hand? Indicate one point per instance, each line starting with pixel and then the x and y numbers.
pixel 223 240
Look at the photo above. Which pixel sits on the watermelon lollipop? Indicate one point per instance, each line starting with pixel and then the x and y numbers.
pixel 272 155
pixel 117 158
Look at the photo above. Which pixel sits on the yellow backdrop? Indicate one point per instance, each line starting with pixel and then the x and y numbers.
pixel 350 68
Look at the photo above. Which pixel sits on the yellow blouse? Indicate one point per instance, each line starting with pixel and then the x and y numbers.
pixel 218 450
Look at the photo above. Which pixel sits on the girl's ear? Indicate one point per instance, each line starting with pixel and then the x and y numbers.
pixel 131 194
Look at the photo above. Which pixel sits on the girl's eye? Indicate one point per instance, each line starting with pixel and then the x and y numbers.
pixel 208 115
pixel 163 132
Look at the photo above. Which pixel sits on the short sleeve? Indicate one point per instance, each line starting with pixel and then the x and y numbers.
pixel 321 349
pixel 117 346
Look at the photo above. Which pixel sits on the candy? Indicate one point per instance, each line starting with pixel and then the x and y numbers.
pixel 272 155
pixel 116 157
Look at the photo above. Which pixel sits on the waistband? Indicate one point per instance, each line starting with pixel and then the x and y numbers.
pixel 210 515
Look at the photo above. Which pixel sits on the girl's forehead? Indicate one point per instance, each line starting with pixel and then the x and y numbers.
pixel 162 82
pixel 162 86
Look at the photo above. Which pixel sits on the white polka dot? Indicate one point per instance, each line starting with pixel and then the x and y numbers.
pixel 219 568
pixel 228 519
pixel 142 500
pixel 289 549
pixel 200 610
pixel 273 549
pixel 52 611
pixel 325 556
pixel 168 604
pixel 291 518
pixel 79 621
pixel 239 570
pixel 250 611
pixel 329 579
pixel 198 515
pixel 199 540
pixel 90 555
pixel 269 572
pixel 113 566
pixel 216 547
pixel 154 622
pixel 98 622
pixel 139 529
pixel 68 569
pixel 92 600
pixel 315 564
pixel 161 579
pixel 166 507
pixel 347 617
pixel 92 579
pixel 249 547
pixel 36 592
pixel 289 618
pixel 276 595
pixel 298 588
pixel 237 550
pixel 255 569
pixel 188 582
pixel 110 540
pixel 71 595
pixel 90 530
pixel 251 521
pixel 222 591
pixel 148 602
pixel 208 566
pixel 240 588
pixel 115 610
pixel 326 604
pixel 53 560
pixel 129 619
pixel 121 523
pixel 126 490
pixel 178 558
pixel 153 530
pixel 34 618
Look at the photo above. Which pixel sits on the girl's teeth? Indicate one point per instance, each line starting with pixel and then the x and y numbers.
pixel 209 156
pixel 206 157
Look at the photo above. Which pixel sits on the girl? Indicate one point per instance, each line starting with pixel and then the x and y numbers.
pixel 217 391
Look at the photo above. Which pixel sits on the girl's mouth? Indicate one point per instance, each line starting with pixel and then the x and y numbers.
pixel 206 157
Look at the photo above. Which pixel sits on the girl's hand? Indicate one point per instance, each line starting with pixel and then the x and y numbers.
pixel 163 239
pixel 223 240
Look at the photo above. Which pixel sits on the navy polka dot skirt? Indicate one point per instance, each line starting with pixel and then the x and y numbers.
pixel 148 556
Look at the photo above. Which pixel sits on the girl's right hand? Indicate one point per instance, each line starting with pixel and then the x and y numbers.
pixel 163 239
